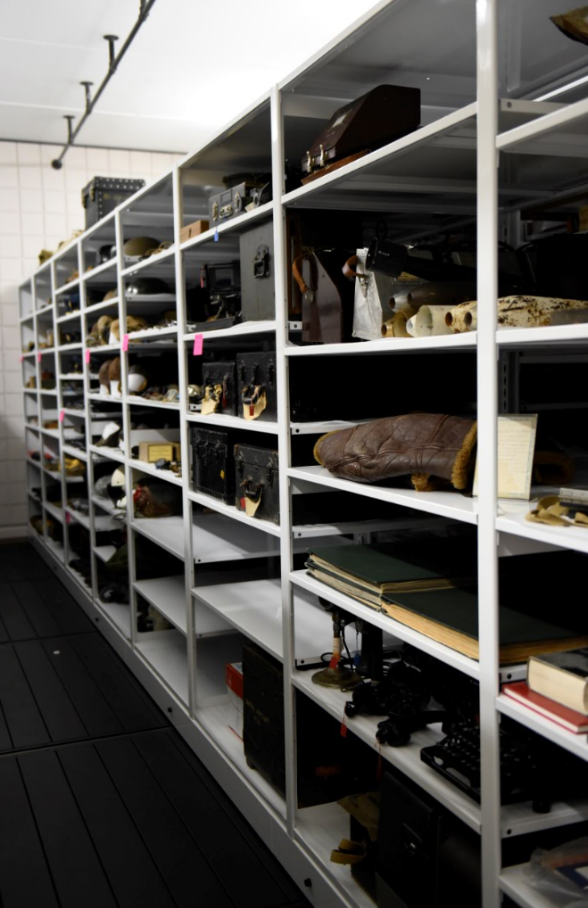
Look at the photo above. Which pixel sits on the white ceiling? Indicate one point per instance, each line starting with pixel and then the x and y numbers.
pixel 193 66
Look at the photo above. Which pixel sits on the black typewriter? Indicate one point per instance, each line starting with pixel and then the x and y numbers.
pixel 531 768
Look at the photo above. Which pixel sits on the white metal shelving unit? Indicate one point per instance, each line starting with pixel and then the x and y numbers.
pixel 502 87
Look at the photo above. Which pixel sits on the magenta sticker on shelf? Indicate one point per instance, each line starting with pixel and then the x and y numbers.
pixel 61 415
pixel 125 343
pixel 87 356
pixel 198 344
pixel 39 355
pixel 22 358
pixel 67 517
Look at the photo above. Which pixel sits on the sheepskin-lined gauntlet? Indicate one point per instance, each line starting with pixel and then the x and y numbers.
pixel 425 445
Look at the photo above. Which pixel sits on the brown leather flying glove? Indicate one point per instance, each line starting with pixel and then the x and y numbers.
pixel 423 444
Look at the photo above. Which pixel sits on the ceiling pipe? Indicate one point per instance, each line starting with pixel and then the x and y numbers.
pixel 145 7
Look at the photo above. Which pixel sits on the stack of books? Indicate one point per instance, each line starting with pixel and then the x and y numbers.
pixel 433 591
pixel 556 688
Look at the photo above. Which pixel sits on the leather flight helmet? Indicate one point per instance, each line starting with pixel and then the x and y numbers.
pixel 116 489
pixel 146 286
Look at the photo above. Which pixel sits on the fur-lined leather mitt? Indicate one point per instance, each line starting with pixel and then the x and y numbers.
pixel 428 446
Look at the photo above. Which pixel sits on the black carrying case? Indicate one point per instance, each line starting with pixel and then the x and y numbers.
pixel 213 468
pixel 256 375
pixel 329 766
pixel 256 479
pixel 223 374
pixel 103 194
pixel 256 251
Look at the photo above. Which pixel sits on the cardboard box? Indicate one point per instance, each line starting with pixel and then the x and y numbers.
pixel 151 451
pixel 234 678
pixel 193 229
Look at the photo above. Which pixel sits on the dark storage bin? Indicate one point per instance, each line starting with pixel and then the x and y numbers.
pixel 257 385
pixel 213 468
pixel 256 248
pixel 103 194
pixel 218 380
pixel 329 766
pixel 256 482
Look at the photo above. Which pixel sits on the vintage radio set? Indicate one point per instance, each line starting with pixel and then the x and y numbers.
pixel 103 194
pixel 257 386
pixel 381 115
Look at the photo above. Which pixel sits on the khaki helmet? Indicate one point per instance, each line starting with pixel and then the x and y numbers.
pixel 136 247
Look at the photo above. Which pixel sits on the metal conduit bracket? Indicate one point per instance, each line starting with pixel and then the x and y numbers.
pixel 113 61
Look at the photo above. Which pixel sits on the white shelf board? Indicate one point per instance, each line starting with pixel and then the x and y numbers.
pixel 56 513
pixel 66 348
pixel 234 422
pixel 55 548
pixel 557 334
pixel 315 530
pixel 229 510
pixel 212 656
pixel 150 334
pixel 167 595
pixel 233 225
pixel 387 345
pixel 71 376
pixel 65 288
pixel 320 427
pixel 53 433
pixel 151 470
pixel 166 653
pixel 68 317
pixel 98 307
pixel 389 625
pixel 254 608
pixel 244 329
pixel 104 552
pixel 74 452
pixel 104 348
pixel 320 829
pixel 119 615
pixel 106 505
pixel 215 538
pixel 444 504
pixel 213 720
pixel 166 255
pixel 70 411
pixel 108 453
pixel 98 270
pixel 141 402
pixel 513 882
pixel 575 744
pixel 511 520
pixel 406 759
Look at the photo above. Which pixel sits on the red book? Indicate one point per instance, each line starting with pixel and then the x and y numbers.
pixel 561 715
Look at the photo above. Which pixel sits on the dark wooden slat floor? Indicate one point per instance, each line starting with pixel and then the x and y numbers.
pixel 102 803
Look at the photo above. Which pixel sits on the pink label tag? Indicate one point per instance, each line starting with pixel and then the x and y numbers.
pixel 67 517
pixel 87 357
pixel 125 343
pixel 39 357
pixel 22 358
pixel 198 344
pixel 61 415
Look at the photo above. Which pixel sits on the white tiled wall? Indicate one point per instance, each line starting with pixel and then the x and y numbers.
pixel 39 207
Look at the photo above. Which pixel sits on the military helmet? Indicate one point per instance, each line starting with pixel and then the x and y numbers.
pixel 146 286
pixel 137 246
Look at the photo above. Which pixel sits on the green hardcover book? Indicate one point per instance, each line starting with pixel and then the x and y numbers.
pixel 377 569
pixel 451 617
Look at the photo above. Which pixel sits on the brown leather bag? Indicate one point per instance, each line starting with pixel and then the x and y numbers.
pixel 327 298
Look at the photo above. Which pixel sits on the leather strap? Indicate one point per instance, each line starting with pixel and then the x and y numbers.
pixel 348 853
pixel 348 267
pixel 296 274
